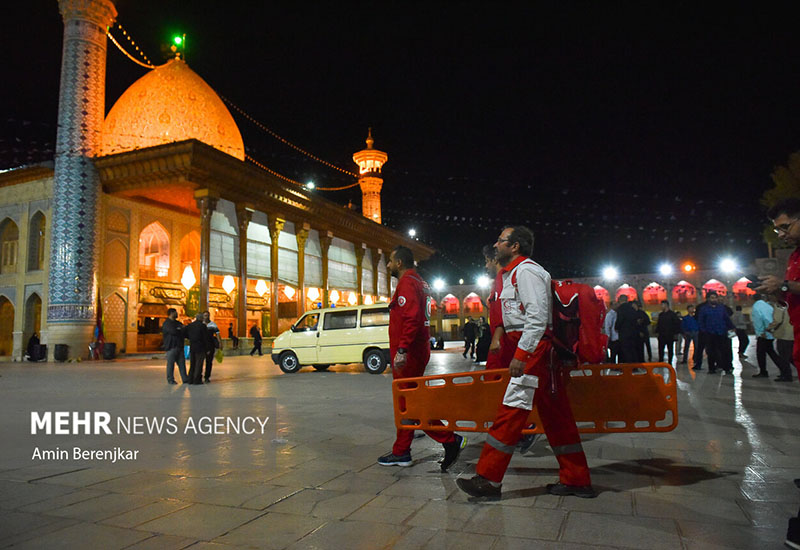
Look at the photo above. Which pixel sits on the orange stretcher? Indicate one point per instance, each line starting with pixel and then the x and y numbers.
pixel 631 397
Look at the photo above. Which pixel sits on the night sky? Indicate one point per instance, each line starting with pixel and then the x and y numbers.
pixel 619 133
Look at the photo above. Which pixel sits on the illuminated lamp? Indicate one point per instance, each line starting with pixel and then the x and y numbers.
pixel 228 284
pixel 188 279
pixel 610 273
pixel 688 267
pixel 484 281
pixel 728 265
pixel 461 281
pixel 334 296
pixel 665 269
pixel 438 285
pixel 368 300
pixel 289 291
pixel 313 294
pixel 352 299
pixel 261 287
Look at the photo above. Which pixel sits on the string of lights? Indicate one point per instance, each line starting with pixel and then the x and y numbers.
pixel 273 172
pixel 283 140
pixel 126 35
pixel 129 56
pixel 336 188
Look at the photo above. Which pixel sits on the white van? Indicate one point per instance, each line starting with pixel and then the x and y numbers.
pixel 324 337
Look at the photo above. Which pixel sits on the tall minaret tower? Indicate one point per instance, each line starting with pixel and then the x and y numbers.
pixel 370 161
pixel 72 291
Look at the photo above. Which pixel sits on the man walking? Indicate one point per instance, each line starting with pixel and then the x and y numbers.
pixel 785 216
pixel 628 330
pixel 691 331
pixel 763 315
pixel 527 316
pixel 715 322
pixel 198 344
pixel 409 319
pixel 469 338
pixel 609 329
pixel 255 334
pixel 173 344
pixel 667 326
pixel 740 323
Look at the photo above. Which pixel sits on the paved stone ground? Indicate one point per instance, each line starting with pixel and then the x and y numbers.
pixel 722 479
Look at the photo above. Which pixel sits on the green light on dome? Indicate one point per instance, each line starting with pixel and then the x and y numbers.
pixel 178 40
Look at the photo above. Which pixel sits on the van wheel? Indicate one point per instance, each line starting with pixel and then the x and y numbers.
pixel 374 361
pixel 288 362
pixel 321 367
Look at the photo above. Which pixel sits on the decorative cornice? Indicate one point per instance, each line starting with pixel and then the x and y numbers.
pixel 195 165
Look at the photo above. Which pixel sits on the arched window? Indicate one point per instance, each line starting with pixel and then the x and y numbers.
pixel 472 304
pixel 451 305
pixel 654 294
pixel 715 285
pixel 628 291
pixel 684 293
pixel 36 245
pixel 9 238
pixel 741 291
pixel 602 294
pixel 154 252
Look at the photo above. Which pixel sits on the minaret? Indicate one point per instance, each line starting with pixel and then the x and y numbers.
pixel 72 290
pixel 369 163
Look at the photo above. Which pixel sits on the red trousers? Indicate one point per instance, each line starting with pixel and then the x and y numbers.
pixel 796 354
pixel 501 358
pixel 415 366
pixel 557 420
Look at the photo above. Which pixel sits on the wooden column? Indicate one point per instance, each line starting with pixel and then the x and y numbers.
pixel 275 227
pixel 375 254
pixel 301 233
pixel 206 204
pixel 360 249
pixel 325 239
pixel 244 213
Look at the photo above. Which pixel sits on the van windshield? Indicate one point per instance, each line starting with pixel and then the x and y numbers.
pixel 307 323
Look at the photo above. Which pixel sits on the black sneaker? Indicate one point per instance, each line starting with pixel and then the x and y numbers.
pixel 479 486
pixel 563 490
pixel 793 534
pixel 391 459
pixel 452 450
pixel 761 375
pixel 527 442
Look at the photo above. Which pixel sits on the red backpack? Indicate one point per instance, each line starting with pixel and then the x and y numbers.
pixel 578 316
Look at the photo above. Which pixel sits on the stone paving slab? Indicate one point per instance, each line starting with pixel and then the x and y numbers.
pixel 721 479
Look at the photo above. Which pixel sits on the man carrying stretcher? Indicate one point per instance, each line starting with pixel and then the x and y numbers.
pixel 526 300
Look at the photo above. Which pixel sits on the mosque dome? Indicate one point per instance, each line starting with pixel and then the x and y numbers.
pixel 170 103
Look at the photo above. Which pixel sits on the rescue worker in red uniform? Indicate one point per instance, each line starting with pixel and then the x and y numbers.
pixel 785 216
pixel 500 356
pixel 526 298
pixel 409 319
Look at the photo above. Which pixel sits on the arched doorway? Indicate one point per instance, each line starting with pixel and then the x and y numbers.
pixel 33 318
pixel 190 253
pixel 742 292
pixel 36 242
pixel 6 326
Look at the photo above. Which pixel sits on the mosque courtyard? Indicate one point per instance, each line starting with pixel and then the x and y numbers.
pixel 722 479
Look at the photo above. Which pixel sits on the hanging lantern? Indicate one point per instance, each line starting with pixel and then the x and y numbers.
pixel 313 294
pixel 228 284
pixel 188 279
pixel 289 291
pixel 353 299
pixel 261 287
pixel 334 296
pixel 368 300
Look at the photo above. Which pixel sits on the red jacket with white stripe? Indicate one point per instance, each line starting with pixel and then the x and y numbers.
pixel 409 314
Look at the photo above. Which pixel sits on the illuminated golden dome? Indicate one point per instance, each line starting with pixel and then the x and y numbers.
pixel 168 104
